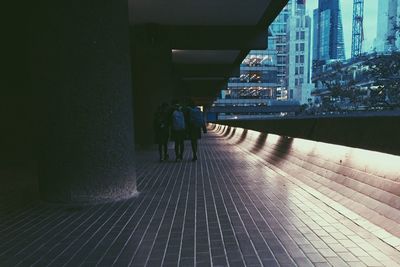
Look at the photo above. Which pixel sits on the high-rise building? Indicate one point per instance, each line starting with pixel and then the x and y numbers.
pixel 263 72
pixel 267 74
pixel 328 33
pixel 315 34
pixel 258 76
pixel 397 33
pixel 387 37
pixel 279 31
pixel 299 54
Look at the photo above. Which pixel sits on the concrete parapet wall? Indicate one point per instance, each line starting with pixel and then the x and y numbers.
pixel 378 133
pixel 365 182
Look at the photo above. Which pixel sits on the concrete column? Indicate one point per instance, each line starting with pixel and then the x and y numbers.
pixel 153 78
pixel 81 75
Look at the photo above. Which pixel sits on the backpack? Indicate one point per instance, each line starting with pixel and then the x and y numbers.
pixel 196 117
pixel 162 123
pixel 178 120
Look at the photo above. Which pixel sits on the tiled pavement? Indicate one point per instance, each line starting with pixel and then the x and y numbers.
pixel 227 209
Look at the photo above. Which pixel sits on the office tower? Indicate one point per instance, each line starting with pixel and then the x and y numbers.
pixel 387 37
pixel 298 54
pixel 258 76
pixel 263 72
pixel 281 30
pixel 328 32
pixel 315 34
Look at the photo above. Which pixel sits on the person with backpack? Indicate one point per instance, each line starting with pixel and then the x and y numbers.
pixel 161 130
pixel 196 124
pixel 178 131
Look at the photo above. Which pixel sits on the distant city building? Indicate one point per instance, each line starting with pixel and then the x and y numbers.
pixel 387 37
pixel 263 72
pixel 328 33
pixel 281 72
pixel 299 54
pixel 258 76
pixel 368 82
pixel 279 30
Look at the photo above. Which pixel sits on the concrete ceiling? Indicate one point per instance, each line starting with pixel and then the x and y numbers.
pixel 208 39
pixel 191 12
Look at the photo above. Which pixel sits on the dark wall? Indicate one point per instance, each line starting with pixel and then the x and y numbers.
pixel 372 133
pixel 18 175
pixel 16 107
pixel 152 78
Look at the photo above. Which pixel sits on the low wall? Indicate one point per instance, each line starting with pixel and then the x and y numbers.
pixel 366 182
pixel 378 133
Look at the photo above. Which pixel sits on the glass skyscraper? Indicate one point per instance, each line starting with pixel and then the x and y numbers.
pixel 268 74
pixel 328 33
pixel 387 36
pixel 263 72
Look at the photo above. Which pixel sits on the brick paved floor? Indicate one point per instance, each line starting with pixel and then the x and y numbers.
pixel 227 209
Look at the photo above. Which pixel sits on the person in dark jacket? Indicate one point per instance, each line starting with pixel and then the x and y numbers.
pixel 178 126
pixel 161 130
pixel 195 125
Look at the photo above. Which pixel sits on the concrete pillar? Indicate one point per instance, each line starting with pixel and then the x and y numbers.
pixel 153 78
pixel 81 75
pixel 15 93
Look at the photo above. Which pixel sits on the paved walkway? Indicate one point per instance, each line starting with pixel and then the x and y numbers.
pixel 227 209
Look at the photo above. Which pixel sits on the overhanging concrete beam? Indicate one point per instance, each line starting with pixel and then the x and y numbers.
pixel 217 37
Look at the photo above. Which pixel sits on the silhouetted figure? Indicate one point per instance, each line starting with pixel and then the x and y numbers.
pixel 195 125
pixel 161 130
pixel 178 131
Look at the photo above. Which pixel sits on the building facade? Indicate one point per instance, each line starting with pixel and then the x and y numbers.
pixel 387 36
pixel 279 30
pixel 298 78
pixel 258 76
pixel 263 73
pixel 328 33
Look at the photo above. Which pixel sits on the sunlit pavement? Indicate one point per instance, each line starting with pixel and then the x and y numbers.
pixel 229 208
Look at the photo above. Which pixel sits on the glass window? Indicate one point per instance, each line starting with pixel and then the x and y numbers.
pixel 281 59
pixel 324 33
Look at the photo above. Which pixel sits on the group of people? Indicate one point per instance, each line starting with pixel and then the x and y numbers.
pixel 180 123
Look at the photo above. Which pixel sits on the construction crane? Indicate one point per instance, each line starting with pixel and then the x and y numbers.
pixel 358 32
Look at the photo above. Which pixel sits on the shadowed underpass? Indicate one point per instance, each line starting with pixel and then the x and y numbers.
pixel 230 208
